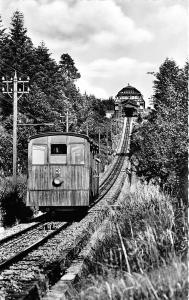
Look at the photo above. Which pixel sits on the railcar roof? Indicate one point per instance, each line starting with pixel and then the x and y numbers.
pixel 43 134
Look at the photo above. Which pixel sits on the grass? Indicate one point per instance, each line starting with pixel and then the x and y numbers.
pixel 140 250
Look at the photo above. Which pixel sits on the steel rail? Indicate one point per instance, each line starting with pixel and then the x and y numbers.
pixel 128 122
pixel 23 253
pixel 116 168
pixel 38 219
pixel 104 188
pixel 16 234
pixel 123 148
pixel 118 164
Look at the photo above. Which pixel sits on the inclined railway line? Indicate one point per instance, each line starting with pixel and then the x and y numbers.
pixel 17 246
pixel 111 177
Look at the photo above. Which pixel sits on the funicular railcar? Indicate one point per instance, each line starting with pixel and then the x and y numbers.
pixel 63 171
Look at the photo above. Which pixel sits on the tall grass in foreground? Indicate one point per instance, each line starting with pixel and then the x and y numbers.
pixel 140 252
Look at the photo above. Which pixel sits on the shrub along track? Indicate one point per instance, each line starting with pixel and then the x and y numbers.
pixel 30 277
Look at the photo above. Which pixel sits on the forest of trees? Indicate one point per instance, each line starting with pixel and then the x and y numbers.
pixel 52 92
pixel 159 142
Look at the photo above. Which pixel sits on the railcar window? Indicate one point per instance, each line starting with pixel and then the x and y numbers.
pixel 77 154
pixel 58 149
pixel 58 154
pixel 38 155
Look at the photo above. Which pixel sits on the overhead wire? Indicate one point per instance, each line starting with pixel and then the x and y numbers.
pixel 27 114
pixel 15 69
pixel 23 109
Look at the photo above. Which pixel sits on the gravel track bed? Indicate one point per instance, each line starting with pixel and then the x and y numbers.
pixel 17 244
pixel 44 266
pixel 15 229
pixel 19 227
pixel 32 277
pixel 77 268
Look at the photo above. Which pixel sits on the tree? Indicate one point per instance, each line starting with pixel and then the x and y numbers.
pixel 20 53
pixel 52 92
pixel 2 33
pixel 3 47
pixel 159 144
pixel 45 70
pixel 166 77
pixel 67 68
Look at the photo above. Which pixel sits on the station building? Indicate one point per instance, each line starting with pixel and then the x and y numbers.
pixel 129 101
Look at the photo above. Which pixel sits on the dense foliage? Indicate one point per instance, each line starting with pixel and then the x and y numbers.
pixel 52 92
pixel 159 143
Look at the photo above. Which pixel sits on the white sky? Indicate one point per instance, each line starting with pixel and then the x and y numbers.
pixel 113 42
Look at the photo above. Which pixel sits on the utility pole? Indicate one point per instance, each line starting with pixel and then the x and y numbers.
pixel 107 139
pixel 67 120
pixel 111 130
pixel 15 114
pixel 99 140
pixel 16 94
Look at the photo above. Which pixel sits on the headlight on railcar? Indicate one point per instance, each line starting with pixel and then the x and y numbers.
pixel 57 181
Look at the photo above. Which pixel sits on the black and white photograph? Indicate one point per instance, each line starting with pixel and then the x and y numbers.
pixel 93 149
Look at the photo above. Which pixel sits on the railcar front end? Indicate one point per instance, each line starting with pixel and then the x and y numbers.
pixel 62 171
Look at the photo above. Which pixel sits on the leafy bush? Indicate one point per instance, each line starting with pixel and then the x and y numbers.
pixel 12 201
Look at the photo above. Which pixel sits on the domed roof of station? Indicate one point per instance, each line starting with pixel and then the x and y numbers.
pixel 128 91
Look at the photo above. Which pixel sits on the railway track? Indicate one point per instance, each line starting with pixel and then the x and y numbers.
pixel 109 190
pixel 112 175
pixel 34 222
pixel 15 248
